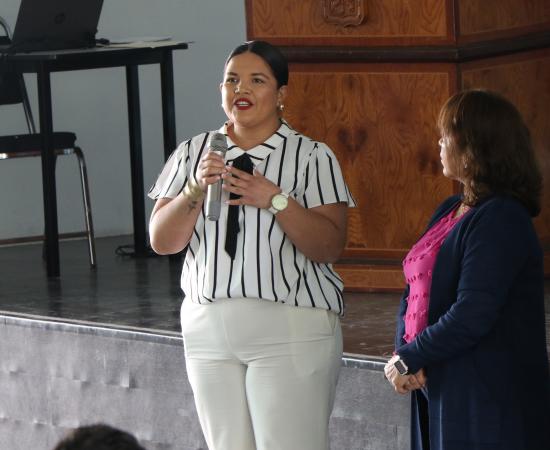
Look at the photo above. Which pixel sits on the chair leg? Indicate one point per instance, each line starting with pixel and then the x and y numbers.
pixel 87 205
pixel 44 256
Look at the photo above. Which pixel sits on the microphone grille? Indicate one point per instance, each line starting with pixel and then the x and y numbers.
pixel 218 142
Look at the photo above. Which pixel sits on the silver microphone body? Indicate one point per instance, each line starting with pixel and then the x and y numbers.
pixel 218 144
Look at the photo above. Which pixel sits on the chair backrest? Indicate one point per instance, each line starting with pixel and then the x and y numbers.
pixel 10 90
pixel 12 84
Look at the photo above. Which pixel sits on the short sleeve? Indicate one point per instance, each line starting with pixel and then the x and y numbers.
pixel 173 177
pixel 324 181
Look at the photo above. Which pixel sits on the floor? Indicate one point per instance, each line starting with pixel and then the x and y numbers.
pixel 144 293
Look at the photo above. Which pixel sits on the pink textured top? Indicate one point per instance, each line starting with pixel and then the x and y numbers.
pixel 418 266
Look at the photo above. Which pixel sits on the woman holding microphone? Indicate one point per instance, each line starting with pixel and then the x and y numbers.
pixel 260 319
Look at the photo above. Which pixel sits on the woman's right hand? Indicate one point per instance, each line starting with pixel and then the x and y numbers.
pixel 416 381
pixel 173 220
pixel 210 169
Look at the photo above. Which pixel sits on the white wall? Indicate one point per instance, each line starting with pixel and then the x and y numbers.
pixel 93 105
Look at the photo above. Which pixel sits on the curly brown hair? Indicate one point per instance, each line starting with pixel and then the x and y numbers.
pixel 490 138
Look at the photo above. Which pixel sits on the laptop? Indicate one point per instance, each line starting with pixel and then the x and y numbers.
pixel 54 25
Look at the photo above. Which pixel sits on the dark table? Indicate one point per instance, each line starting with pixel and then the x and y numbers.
pixel 44 63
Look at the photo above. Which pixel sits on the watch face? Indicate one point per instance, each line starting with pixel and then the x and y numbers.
pixel 400 366
pixel 279 202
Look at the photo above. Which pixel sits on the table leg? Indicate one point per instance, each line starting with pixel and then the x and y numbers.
pixel 136 160
pixel 48 172
pixel 168 117
pixel 168 104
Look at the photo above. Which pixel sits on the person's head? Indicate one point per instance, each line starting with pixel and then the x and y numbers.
pixel 486 145
pixel 254 84
pixel 98 437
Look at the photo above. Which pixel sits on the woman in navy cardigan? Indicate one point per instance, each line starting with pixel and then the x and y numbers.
pixel 470 341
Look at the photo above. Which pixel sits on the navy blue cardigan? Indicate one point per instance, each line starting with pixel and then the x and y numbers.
pixel 484 349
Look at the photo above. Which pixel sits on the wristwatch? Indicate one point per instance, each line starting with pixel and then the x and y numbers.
pixel 401 367
pixel 279 202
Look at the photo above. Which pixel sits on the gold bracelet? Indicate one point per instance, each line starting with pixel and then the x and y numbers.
pixel 193 191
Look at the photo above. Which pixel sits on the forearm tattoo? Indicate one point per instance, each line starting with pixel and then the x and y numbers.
pixel 192 205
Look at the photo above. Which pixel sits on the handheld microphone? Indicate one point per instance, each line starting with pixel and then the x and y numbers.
pixel 218 144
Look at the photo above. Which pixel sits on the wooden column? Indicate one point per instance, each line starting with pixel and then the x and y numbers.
pixel 368 77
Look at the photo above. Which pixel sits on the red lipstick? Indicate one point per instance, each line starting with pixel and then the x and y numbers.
pixel 243 103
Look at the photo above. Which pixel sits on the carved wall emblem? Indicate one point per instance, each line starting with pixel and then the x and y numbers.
pixel 345 12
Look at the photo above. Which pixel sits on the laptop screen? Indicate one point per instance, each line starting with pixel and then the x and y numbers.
pixel 56 24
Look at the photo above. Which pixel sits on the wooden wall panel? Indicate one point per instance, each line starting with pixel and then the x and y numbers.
pixel 525 80
pixel 373 90
pixel 480 19
pixel 302 22
pixel 371 278
pixel 380 121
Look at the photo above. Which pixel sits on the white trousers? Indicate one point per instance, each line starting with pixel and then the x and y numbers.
pixel 263 373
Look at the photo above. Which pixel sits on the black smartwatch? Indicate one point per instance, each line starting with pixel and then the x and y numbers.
pixel 401 366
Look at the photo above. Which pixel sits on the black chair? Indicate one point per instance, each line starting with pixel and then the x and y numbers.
pixel 12 92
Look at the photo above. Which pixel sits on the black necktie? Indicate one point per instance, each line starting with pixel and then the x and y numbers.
pixel 245 164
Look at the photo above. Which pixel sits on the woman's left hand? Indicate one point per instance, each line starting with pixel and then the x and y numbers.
pixel 255 190
pixel 404 383
pixel 301 225
pixel 397 380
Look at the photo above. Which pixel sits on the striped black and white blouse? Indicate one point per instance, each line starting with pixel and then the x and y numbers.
pixel 267 265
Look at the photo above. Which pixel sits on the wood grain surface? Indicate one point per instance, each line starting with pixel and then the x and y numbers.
pixel 525 80
pixel 380 122
pixel 480 17
pixel 291 21
pixel 371 278
pixel 373 91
